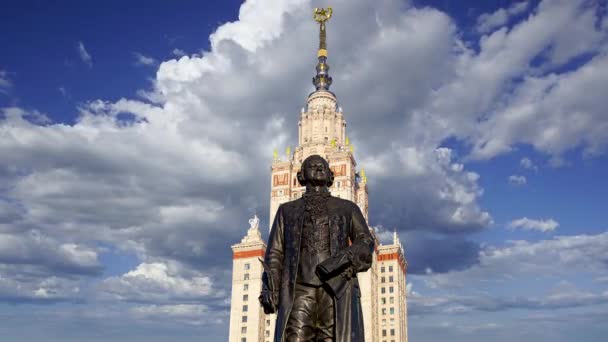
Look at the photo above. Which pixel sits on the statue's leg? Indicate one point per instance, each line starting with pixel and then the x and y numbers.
pixel 301 322
pixel 325 316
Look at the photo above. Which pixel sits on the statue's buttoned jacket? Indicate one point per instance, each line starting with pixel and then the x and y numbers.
pixel 349 238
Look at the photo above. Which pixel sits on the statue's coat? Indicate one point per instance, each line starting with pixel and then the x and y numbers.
pixel 346 224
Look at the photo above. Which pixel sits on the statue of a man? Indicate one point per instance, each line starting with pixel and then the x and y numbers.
pixel 317 244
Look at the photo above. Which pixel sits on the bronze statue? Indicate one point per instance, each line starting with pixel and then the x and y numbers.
pixel 317 244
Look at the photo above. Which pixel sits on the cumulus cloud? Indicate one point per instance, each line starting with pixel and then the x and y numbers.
pixel 52 256
pixel 160 283
pixel 190 314
pixel 560 256
pixel 528 164
pixel 517 180
pixel 548 225
pixel 514 88
pixel 172 180
pixel 144 60
pixel 37 267
pixel 16 288
pixel 488 21
pixel 84 55
pixel 458 304
pixel 178 52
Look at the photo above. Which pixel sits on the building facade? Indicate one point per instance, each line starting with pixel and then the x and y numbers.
pixel 322 131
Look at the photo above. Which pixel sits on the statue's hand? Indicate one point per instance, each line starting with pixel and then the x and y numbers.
pixel 269 301
pixel 348 273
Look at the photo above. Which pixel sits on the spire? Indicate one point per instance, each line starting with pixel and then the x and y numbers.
pixel 397 241
pixel 322 80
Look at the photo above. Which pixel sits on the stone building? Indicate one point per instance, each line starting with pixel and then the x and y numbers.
pixel 321 130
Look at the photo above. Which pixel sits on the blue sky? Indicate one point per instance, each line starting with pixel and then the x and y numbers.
pixel 136 141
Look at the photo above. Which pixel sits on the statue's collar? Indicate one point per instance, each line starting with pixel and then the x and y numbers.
pixel 316 194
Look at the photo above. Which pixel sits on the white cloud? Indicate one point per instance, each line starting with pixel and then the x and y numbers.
pixel 144 60
pixel 51 255
pixel 548 225
pixel 14 289
pixel 463 304
pixel 84 55
pixel 528 164
pixel 178 52
pixel 561 256
pixel 516 89
pixel 552 111
pixel 171 181
pixel 191 314
pixel 517 180
pixel 487 22
pixel 159 282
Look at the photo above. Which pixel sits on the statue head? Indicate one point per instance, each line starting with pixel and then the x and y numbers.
pixel 315 171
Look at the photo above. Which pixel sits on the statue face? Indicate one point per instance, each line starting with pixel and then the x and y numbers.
pixel 316 171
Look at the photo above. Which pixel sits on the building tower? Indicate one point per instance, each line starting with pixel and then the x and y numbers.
pixel 246 315
pixel 322 131
pixel 392 308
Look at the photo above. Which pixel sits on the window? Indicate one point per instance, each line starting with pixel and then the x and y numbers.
pixel 267 322
pixel 243 330
pixel 383 290
pixel 384 322
pixel 383 300
pixel 267 333
pixel 391 279
pixel 382 269
pixel 246 298
pixel 245 287
pixel 383 311
pixel 390 289
pixel 383 332
pixel 383 280
pixel 243 339
pixel 246 276
pixel 244 319
pixel 392 311
pixel 392 332
pixel 390 268
pixel 247 266
pixel 392 300
pixel 245 308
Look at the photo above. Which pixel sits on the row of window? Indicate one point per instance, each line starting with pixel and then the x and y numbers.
pixel 390 279
pixel 392 331
pixel 384 322
pixel 390 290
pixel 383 269
pixel 391 300
pixel 391 311
pixel 244 329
